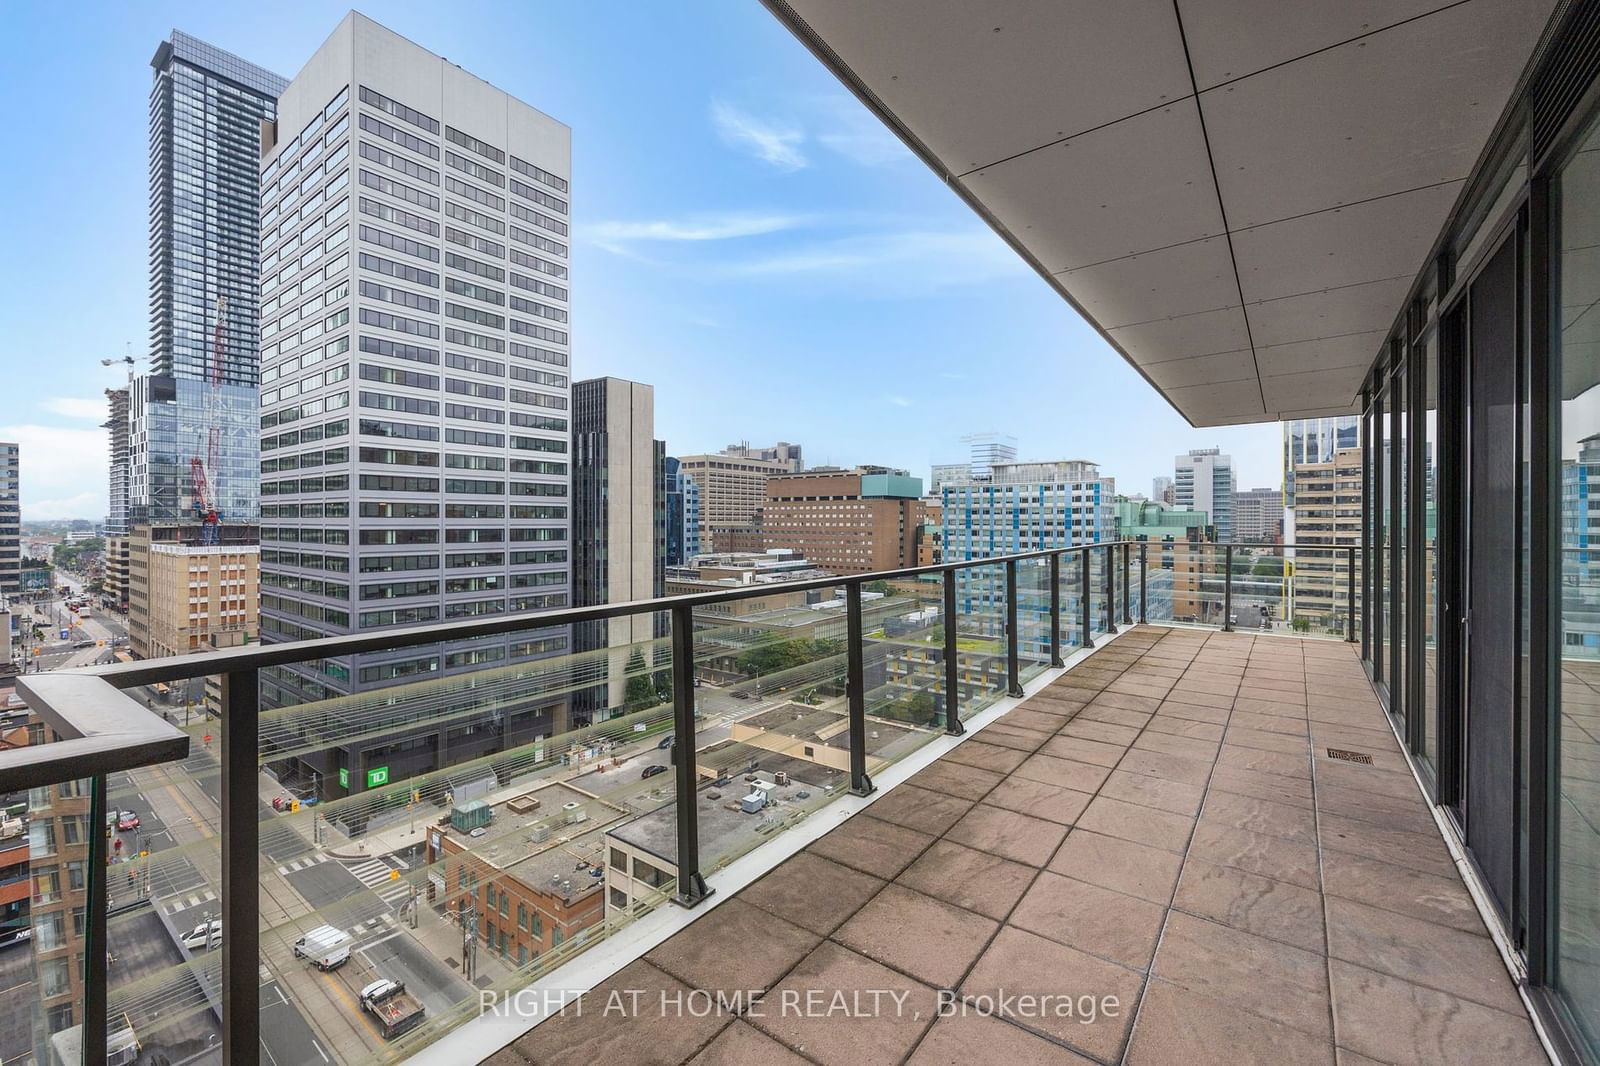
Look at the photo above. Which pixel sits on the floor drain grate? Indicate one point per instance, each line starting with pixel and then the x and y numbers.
pixel 1350 756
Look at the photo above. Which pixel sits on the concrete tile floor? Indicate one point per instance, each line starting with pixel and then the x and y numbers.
pixel 1159 842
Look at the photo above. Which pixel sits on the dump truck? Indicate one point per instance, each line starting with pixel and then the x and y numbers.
pixel 394 1009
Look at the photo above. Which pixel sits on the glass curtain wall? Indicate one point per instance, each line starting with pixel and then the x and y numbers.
pixel 1576 916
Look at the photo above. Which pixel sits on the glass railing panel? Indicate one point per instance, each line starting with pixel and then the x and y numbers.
pixel 1072 592
pixel 980 635
pixel 777 740
pixel 1317 592
pixel 44 864
pixel 1033 618
pixel 1099 604
pixel 474 815
pixel 1260 589
pixel 903 662
pixel 164 924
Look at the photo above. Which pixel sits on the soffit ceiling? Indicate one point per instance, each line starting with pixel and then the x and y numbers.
pixel 1238 193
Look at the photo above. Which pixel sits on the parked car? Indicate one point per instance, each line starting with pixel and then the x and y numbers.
pixel 127 820
pixel 204 936
pixel 653 770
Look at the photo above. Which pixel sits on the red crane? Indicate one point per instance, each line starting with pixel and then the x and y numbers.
pixel 201 470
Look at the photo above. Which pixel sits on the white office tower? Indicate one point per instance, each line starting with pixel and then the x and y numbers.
pixel 1203 481
pixel 414 386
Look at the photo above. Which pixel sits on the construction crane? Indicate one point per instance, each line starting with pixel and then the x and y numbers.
pixel 202 471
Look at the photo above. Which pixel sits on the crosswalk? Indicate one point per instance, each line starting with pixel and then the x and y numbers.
pixel 302 863
pixel 192 900
pixel 378 876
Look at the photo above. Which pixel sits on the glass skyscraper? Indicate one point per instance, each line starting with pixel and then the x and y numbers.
pixel 1315 440
pixel 206 111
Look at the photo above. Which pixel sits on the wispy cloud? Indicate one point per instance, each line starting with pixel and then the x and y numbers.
pixel 906 260
pixel 774 142
pixel 615 235
pixel 76 407
pixel 899 401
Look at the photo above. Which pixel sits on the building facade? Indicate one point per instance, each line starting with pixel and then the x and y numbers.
pixel 414 408
pixel 733 490
pixel 845 521
pixel 1022 507
pixel 1315 440
pixel 619 524
pixel 1258 516
pixel 116 424
pixel 1203 481
pixel 683 514
pixel 193 461
pixel 783 453
pixel 1324 522
pixel 10 518
pixel 1161 490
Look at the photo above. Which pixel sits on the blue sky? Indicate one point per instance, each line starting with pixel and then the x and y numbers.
pixel 748 239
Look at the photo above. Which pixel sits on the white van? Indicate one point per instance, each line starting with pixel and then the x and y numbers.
pixel 326 946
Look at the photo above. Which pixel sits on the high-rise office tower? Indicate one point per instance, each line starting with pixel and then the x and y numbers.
pixel 1161 490
pixel 193 463
pixel 733 490
pixel 414 403
pixel 1258 516
pixel 1317 441
pixel 10 519
pixel 116 424
pixel 619 525
pixel 683 515
pixel 1203 481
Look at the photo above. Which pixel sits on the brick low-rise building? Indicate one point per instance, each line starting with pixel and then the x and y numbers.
pixel 846 521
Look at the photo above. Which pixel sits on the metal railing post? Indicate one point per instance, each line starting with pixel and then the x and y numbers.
pixel 241 868
pixel 1227 589
pixel 856 687
pixel 1350 597
pixel 1127 591
pixel 1055 610
pixel 691 882
pixel 1084 604
pixel 1144 582
pixel 1111 588
pixel 952 673
pixel 95 978
pixel 1013 686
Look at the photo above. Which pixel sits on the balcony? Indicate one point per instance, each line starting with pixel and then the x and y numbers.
pixel 1053 787
pixel 1197 847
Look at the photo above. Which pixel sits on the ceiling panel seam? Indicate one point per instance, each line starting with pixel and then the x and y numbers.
pixel 1336 44
pixel 1211 161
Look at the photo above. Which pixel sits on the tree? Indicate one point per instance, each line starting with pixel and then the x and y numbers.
pixel 1301 625
pixel 881 587
pixel 772 656
pixel 639 692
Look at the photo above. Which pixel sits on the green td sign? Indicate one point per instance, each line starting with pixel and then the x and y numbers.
pixel 344 778
pixel 377 776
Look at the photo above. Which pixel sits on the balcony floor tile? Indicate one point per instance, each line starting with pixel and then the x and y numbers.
pixel 1163 827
